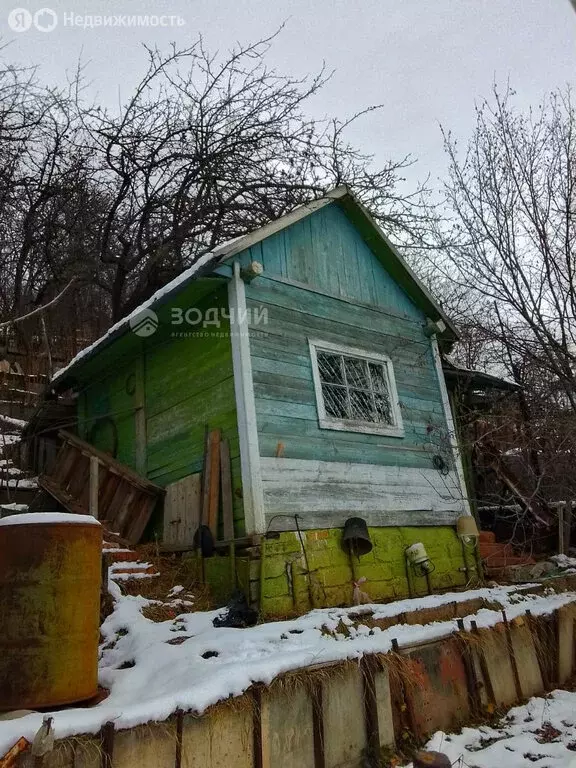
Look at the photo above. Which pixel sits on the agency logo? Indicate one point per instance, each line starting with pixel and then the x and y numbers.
pixel 45 20
pixel 21 20
pixel 145 323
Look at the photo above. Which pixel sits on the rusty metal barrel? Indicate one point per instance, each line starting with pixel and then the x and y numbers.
pixel 50 573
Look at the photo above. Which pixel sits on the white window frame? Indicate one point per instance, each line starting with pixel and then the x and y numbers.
pixel 348 425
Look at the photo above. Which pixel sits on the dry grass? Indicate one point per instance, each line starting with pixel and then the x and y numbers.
pixel 160 612
pixel 173 571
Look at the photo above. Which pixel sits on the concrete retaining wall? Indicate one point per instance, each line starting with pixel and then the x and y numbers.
pixel 347 715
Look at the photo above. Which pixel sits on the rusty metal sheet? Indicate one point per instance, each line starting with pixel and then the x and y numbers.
pixel 436 687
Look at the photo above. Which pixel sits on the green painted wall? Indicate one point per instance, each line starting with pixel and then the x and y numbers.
pixel 332 573
pixel 106 412
pixel 188 383
pixel 286 589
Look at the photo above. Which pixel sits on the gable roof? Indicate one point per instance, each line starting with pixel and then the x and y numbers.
pixel 372 234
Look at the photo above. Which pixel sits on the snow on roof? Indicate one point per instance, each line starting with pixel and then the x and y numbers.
pixel 497 376
pixel 212 257
pixel 48 518
pixel 150 677
pixel 237 244
pixel 184 277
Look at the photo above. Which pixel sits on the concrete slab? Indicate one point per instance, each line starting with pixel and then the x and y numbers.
pixel 493 645
pixel 343 716
pixel 287 727
pixel 436 687
pixel 384 705
pixel 526 659
pixel 148 746
pixel 62 756
pixel 566 616
pixel 82 752
pixel 223 737
pixel 87 753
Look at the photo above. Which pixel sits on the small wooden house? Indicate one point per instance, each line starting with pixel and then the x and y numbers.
pixel 314 349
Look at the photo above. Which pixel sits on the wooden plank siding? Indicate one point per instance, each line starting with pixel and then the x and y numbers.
pixel 322 281
pixel 327 493
pixel 187 382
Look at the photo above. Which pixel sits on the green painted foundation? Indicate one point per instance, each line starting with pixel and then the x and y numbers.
pixel 279 581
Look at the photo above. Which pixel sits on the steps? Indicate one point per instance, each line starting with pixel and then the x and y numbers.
pixel 17 487
pixel 497 556
pixel 124 563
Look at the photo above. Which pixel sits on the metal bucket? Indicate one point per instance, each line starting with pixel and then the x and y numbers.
pixel 356 539
pixel 50 573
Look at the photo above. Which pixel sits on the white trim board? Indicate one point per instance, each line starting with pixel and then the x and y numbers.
pixel 450 424
pixel 347 425
pixel 245 407
pixel 326 493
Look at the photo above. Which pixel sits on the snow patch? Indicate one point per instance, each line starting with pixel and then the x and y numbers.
pixel 541 732
pixel 33 518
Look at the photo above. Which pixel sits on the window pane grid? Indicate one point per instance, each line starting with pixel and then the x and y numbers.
pixel 354 389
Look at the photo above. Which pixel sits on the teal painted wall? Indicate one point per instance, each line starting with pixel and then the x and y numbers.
pixel 366 309
pixel 326 251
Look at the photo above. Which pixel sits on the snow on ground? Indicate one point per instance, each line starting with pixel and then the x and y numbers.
pixel 12 422
pixel 568 564
pixel 8 439
pixel 13 507
pixel 28 483
pixel 541 733
pixel 152 669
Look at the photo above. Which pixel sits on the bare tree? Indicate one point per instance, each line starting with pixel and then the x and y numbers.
pixel 209 147
pixel 505 264
pixel 206 148
pixel 511 245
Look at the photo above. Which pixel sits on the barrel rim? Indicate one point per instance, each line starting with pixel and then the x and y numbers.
pixel 49 518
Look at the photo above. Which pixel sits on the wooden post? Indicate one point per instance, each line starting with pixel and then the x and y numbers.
pixel 94 486
pixel 567 526
pixel 369 668
pixel 226 490
pixel 561 545
pixel 107 751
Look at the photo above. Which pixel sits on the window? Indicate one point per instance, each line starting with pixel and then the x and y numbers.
pixel 355 390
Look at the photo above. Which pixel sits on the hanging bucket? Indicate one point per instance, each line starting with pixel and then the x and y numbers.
pixel 356 539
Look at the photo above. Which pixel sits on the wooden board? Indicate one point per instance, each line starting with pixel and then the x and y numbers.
pixel 326 493
pixel 182 508
pixel 123 499
pixel 211 482
pixel 226 483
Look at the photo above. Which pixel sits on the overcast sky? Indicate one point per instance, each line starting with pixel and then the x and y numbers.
pixel 427 61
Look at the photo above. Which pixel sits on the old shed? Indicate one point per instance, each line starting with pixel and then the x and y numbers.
pixel 315 352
